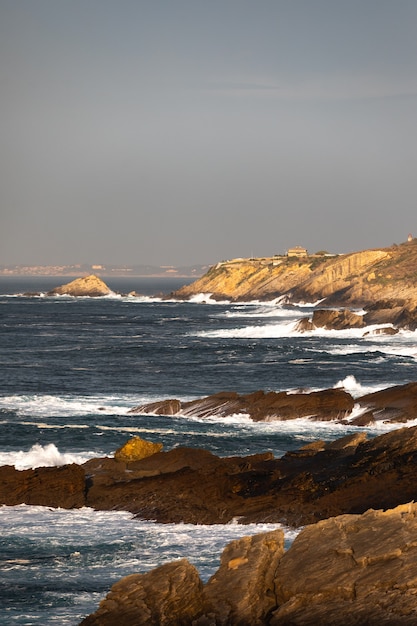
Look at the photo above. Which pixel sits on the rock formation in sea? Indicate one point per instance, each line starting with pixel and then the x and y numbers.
pixel 86 286
pixel 359 279
pixel 350 570
pixel 319 480
pixel 395 404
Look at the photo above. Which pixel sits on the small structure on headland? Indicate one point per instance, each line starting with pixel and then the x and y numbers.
pixel 297 251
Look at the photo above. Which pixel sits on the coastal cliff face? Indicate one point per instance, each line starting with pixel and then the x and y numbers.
pixel 356 279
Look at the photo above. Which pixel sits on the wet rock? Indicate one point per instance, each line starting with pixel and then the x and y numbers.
pixel 395 404
pixel 329 404
pixel 163 407
pixel 337 319
pixel 91 286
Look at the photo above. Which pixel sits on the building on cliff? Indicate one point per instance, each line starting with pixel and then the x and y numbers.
pixel 297 251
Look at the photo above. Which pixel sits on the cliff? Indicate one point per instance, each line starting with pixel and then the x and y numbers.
pixel 356 279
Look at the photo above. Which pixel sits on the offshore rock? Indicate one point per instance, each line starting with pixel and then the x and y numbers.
pixel 331 319
pixel 170 595
pixel 395 404
pixel 329 404
pixel 349 570
pixel 136 449
pixel 91 286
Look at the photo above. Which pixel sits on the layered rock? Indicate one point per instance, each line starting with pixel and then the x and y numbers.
pixel 329 404
pixel 349 570
pixel 170 594
pixel 395 404
pixel 356 279
pixel 62 487
pixel 189 485
pixel 91 286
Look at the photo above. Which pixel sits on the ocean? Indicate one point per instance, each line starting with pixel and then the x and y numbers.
pixel 70 370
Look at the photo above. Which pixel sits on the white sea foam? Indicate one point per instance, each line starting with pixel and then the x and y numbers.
pixel 37 405
pixel 206 298
pixel 263 312
pixel 355 388
pixel 142 544
pixel 41 456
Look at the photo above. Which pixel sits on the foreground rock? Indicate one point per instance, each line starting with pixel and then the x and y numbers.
pixel 349 570
pixel 317 481
pixel 91 286
pixel 395 404
pixel 170 594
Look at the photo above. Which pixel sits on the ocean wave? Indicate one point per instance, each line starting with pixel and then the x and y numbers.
pixel 41 456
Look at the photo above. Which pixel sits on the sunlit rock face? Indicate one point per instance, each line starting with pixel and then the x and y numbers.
pixel 86 286
pixel 348 570
pixel 359 279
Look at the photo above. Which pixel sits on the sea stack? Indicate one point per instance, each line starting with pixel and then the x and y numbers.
pixel 86 286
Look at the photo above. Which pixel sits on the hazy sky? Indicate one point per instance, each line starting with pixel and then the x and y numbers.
pixel 191 131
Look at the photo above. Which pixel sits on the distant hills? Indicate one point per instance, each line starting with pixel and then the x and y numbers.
pixel 189 271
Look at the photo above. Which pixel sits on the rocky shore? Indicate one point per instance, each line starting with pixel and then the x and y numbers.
pixel 354 563
pixel 317 481
pixel 396 404
pixel 350 570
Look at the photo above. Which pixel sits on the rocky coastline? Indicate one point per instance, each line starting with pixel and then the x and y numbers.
pixel 354 561
pixel 350 570
pixel 189 485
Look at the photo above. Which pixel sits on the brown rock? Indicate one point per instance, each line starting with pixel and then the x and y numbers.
pixel 331 319
pixel 395 404
pixel 329 404
pixel 45 486
pixel 350 571
pixel 170 595
pixel 86 286
pixel 242 590
pixel 163 407
pixel 136 449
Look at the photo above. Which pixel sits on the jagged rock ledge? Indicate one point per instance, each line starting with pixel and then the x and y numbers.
pixel 349 570
pixel 317 481
pixel 394 404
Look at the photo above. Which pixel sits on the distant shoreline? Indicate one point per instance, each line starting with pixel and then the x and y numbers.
pixel 139 271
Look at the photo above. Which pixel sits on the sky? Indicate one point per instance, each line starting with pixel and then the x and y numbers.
pixel 178 132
